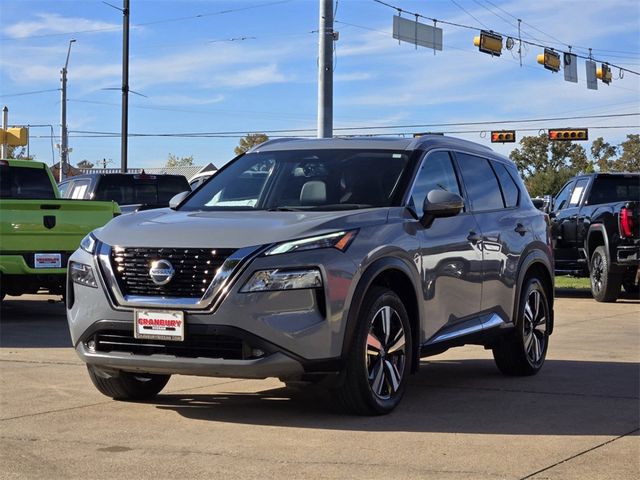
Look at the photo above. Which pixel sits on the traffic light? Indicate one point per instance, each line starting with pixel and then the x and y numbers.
pixel 489 42
pixel 503 136
pixel 550 59
pixel 14 136
pixel 604 73
pixel 568 134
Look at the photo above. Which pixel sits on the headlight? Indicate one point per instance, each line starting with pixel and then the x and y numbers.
pixel 269 280
pixel 88 243
pixel 339 240
pixel 82 274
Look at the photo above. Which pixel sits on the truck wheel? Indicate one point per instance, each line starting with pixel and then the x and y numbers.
pixel 128 386
pixel 605 285
pixel 379 361
pixel 523 351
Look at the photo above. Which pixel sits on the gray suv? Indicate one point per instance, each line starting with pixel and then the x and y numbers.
pixel 336 261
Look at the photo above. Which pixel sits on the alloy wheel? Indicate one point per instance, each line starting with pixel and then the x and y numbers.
pixel 385 353
pixel 597 270
pixel 535 327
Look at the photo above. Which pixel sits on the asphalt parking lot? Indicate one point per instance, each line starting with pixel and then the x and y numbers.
pixel 579 418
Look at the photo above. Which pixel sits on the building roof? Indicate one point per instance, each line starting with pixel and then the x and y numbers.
pixel 188 172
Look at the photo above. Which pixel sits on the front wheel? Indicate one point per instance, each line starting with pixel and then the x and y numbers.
pixel 523 351
pixel 379 362
pixel 605 285
pixel 126 385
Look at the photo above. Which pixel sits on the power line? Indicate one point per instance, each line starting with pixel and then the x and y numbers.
pixel 364 127
pixel 527 42
pixel 155 22
pixel 34 92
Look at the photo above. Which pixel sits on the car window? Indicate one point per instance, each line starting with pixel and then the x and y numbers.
pixel 436 173
pixel 63 187
pixel 480 181
pixel 560 201
pixel 25 182
pixel 509 188
pixel 319 179
pixel 578 192
pixel 79 189
pixel 615 189
pixel 168 187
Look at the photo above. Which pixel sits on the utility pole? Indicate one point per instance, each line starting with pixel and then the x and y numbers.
pixel 64 140
pixel 325 70
pixel 125 86
pixel 5 126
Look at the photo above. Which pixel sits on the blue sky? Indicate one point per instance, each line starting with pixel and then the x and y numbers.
pixel 196 79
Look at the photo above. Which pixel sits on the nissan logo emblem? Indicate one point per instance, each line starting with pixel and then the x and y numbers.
pixel 161 272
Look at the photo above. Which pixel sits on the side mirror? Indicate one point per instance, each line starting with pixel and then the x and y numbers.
pixel 548 203
pixel 177 200
pixel 538 203
pixel 440 204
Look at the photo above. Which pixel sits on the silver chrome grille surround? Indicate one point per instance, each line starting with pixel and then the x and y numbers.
pixel 223 278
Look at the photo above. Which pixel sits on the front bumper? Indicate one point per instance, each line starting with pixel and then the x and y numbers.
pixel 298 332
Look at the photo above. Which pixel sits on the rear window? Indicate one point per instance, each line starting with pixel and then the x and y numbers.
pixel 510 191
pixel 139 189
pixel 615 189
pixel 25 182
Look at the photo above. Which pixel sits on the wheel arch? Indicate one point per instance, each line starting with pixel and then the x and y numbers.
pixel 536 264
pixel 596 236
pixel 395 274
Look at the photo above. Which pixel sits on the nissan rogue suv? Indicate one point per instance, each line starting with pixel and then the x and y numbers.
pixel 337 261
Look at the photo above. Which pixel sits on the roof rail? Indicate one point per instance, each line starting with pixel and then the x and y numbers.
pixel 272 141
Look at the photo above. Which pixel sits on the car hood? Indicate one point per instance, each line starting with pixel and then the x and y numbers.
pixel 238 229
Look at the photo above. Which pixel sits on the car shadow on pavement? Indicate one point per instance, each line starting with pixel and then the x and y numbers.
pixel 461 396
pixel 33 324
pixel 586 293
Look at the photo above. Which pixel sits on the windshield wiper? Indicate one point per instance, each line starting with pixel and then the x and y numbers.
pixel 284 209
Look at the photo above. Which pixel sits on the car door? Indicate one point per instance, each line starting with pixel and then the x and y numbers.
pixel 562 229
pixel 451 263
pixel 495 199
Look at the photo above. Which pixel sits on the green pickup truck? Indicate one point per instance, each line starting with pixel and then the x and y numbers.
pixel 38 229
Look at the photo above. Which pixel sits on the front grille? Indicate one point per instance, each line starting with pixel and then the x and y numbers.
pixel 194 270
pixel 195 345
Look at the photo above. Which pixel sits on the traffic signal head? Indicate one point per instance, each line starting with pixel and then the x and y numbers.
pixel 604 73
pixel 489 42
pixel 503 136
pixel 550 59
pixel 568 134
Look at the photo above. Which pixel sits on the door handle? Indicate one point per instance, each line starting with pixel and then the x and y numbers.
pixel 521 229
pixel 473 237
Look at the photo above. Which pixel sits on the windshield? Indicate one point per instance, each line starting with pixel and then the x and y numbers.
pixel 304 180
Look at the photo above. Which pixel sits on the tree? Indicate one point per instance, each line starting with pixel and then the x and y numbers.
pixel 174 161
pixel 85 164
pixel 249 141
pixel 546 165
pixel 604 154
pixel 629 161
pixel 19 153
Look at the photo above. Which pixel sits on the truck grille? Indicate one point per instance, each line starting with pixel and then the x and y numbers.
pixel 194 270
pixel 195 345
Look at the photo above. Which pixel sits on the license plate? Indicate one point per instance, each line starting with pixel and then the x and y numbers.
pixel 48 260
pixel 159 325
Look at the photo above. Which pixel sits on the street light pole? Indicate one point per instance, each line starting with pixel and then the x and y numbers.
pixel 64 140
pixel 125 86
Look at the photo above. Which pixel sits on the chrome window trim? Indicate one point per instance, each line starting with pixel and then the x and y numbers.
pixel 213 296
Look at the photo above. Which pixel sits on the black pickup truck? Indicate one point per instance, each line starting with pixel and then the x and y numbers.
pixel 595 229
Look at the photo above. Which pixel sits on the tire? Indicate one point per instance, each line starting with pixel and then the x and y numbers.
pixel 380 356
pixel 128 386
pixel 605 285
pixel 523 351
